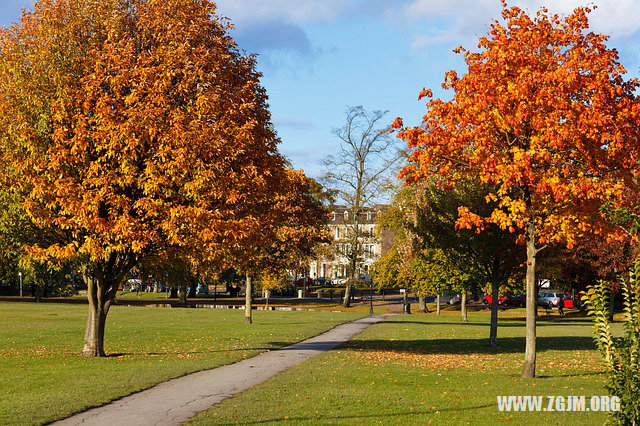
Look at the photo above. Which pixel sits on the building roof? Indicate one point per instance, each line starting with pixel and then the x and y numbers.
pixel 367 214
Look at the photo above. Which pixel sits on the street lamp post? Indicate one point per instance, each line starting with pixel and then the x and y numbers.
pixel 20 275
pixel 371 298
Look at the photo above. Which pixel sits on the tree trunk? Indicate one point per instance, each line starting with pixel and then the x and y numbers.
pixel 530 347
pixel 347 296
pixel 438 304
pixel 182 294
pixel 40 292
pixel 248 293
pixel 193 288
pixel 143 279
pixel 94 333
pixel 493 328
pixel 174 292
pixel 156 287
pixel 99 303
pixel 463 306
pixel 422 304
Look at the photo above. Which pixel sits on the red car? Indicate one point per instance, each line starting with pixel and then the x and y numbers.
pixel 488 299
pixel 569 303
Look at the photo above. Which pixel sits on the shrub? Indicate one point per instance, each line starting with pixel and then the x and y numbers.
pixel 621 354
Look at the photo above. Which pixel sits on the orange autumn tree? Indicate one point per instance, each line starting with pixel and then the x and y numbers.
pixel 544 115
pixel 290 228
pixel 130 128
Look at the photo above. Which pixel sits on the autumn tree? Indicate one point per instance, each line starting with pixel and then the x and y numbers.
pixel 43 277
pixel 271 280
pixel 590 262
pixel 491 257
pixel 357 174
pixel 132 127
pixel 291 226
pixel 544 115
pixel 179 273
pixel 408 264
pixel 458 260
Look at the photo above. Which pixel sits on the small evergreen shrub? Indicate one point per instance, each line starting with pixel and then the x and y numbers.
pixel 621 354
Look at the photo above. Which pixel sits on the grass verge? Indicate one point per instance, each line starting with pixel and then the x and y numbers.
pixel 425 369
pixel 43 378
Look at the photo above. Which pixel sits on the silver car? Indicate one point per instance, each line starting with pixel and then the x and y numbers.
pixel 550 299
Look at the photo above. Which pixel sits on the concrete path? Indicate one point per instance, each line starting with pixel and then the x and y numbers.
pixel 177 400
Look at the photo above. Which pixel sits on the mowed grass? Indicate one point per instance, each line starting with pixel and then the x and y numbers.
pixel 43 377
pixel 428 369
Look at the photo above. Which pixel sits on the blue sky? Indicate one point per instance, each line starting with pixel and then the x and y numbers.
pixel 319 56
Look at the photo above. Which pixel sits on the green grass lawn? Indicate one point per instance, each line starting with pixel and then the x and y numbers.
pixel 425 369
pixel 43 378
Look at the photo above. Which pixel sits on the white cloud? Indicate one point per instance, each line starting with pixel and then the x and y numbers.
pixel 618 18
pixel 296 11
pixel 468 19
pixel 276 28
pixel 280 25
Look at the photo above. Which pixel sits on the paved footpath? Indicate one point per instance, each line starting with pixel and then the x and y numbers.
pixel 178 400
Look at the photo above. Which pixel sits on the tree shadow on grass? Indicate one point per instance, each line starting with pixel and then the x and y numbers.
pixel 555 376
pixel 462 324
pixel 503 322
pixel 450 346
pixel 556 319
pixel 471 346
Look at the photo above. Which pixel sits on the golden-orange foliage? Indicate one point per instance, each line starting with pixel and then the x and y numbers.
pixel 133 126
pixel 544 115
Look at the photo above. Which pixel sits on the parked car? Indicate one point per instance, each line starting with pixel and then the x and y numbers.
pixel 322 281
pixel 448 298
pixel 550 299
pixel 488 299
pixel 516 300
pixel 341 280
pixel 453 299
pixel 571 303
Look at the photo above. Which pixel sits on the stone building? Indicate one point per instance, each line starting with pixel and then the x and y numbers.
pixel 333 263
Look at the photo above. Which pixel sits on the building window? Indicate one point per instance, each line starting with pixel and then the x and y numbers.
pixel 346 215
pixel 337 232
pixel 334 216
pixel 368 215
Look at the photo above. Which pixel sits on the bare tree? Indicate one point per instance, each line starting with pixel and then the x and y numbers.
pixel 357 174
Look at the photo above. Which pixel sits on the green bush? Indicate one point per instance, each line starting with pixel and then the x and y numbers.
pixel 621 354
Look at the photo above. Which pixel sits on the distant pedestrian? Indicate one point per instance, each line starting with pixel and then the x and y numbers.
pixel 561 305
